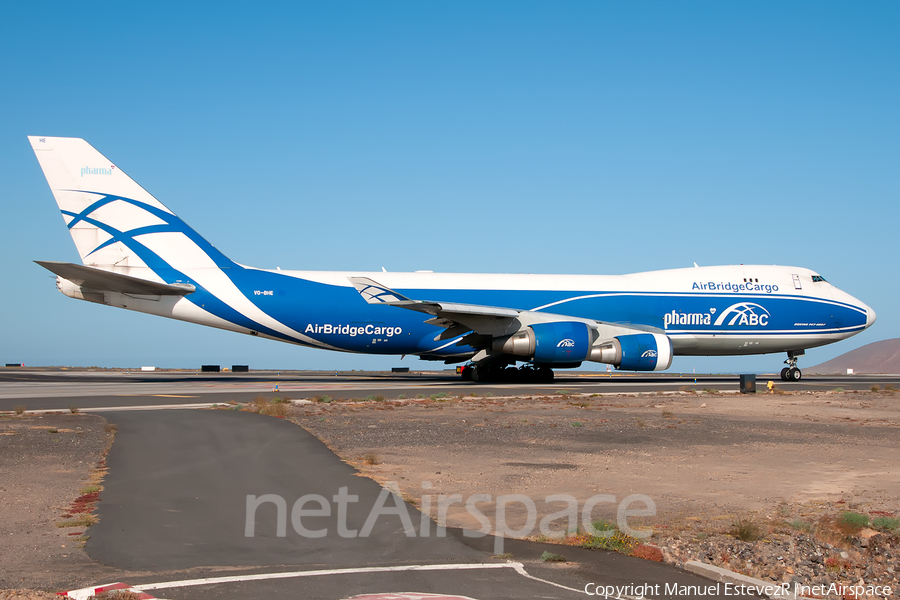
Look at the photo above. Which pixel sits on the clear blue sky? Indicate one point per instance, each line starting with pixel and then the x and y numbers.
pixel 560 137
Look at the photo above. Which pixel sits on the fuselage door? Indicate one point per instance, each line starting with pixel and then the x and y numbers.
pixel 797 285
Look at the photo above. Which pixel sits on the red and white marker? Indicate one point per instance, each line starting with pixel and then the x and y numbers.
pixel 408 596
pixel 85 593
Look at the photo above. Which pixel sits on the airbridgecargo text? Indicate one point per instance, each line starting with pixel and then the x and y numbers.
pixel 712 286
pixel 353 330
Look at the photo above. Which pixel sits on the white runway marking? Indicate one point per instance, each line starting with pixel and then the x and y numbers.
pixel 292 574
pixel 516 566
pixel 120 408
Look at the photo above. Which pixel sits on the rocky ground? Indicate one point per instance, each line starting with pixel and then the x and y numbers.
pixel 788 467
pixel 817 556
pixel 25 594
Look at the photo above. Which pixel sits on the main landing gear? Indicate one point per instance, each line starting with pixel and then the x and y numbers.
pixel 500 373
pixel 791 372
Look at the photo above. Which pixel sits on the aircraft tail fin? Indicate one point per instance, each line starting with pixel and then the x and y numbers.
pixel 114 222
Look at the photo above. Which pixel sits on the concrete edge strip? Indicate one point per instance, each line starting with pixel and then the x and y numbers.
pixel 769 589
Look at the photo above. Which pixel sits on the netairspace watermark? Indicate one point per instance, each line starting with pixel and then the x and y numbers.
pixel 390 505
pixel 720 590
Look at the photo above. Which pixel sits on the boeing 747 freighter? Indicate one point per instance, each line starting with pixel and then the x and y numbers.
pixel 136 254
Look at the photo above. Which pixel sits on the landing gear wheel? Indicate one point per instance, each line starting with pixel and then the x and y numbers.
pixel 545 375
pixel 791 372
pixel 484 373
pixel 466 373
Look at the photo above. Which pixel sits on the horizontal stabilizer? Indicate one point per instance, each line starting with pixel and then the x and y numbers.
pixel 107 281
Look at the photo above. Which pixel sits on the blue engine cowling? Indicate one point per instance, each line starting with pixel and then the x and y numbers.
pixel 561 342
pixel 568 343
pixel 645 352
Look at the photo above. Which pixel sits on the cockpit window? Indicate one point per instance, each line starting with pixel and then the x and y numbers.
pixel 817 278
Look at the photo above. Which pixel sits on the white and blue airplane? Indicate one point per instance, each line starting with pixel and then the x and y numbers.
pixel 137 254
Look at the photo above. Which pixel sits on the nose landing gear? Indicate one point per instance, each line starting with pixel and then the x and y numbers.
pixel 791 372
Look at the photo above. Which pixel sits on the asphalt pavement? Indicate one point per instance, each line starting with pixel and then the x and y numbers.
pixel 176 500
pixel 57 389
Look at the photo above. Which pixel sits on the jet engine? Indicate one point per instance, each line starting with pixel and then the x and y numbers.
pixel 635 352
pixel 571 342
pixel 563 342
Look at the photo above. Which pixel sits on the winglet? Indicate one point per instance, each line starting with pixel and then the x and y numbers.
pixel 375 293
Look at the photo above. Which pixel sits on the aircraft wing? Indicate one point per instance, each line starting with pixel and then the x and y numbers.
pixel 455 318
pixel 107 281
pixel 375 293
pixel 479 325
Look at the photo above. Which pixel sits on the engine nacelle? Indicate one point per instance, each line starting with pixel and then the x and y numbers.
pixel 569 343
pixel 562 342
pixel 635 352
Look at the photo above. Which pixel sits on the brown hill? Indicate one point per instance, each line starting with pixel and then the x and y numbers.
pixel 877 357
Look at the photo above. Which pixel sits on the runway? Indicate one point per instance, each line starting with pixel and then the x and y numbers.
pixel 57 389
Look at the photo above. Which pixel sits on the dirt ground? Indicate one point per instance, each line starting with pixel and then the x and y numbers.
pixel 791 464
pixel 45 463
pixel 704 455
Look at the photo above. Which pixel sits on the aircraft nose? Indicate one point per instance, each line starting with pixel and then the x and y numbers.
pixel 870 316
